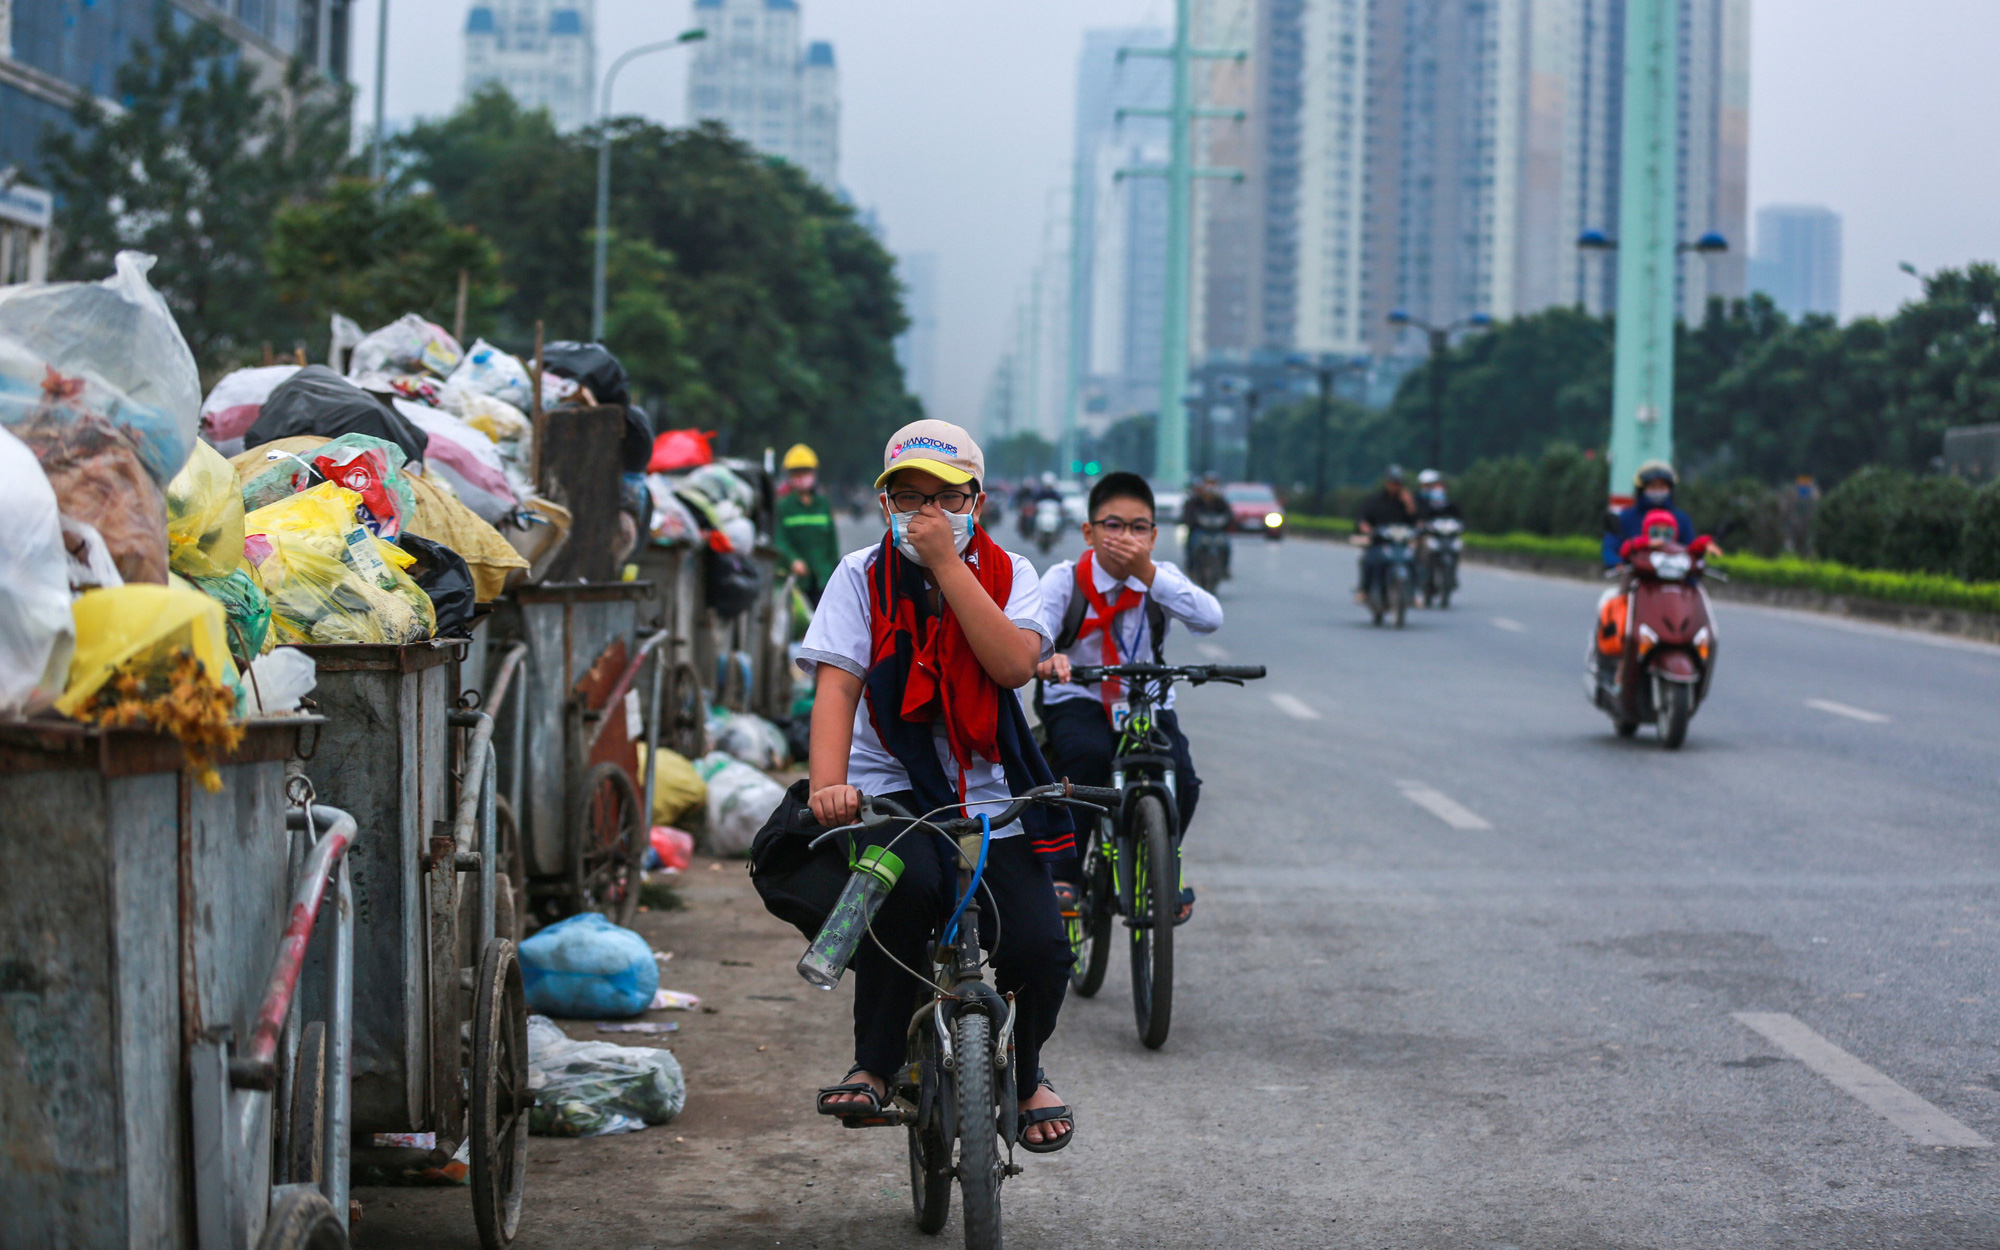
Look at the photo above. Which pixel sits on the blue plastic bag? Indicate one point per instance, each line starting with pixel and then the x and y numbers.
pixel 588 968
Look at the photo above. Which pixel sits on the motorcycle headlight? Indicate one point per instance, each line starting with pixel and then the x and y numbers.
pixel 1272 520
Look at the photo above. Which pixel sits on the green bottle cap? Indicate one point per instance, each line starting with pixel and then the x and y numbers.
pixel 882 864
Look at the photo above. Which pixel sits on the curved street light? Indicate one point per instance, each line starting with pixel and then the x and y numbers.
pixel 603 231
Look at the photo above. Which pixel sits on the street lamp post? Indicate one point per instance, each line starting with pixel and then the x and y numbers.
pixel 603 231
pixel 1440 343
pixel 1325 370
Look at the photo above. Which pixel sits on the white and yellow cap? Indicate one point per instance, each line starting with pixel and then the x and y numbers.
pixel 936 447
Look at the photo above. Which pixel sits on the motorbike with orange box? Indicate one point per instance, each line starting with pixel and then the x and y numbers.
pixel 1654 653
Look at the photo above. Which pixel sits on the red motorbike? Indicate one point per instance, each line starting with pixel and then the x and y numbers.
pixel 1654 653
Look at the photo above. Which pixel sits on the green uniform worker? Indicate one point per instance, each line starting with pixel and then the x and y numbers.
pixel 805 524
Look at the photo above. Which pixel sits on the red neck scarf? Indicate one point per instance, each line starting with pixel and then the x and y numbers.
pixel 1102 611
pixel 944 680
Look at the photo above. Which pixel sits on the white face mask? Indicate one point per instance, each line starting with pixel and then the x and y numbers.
pixel 1656 496
pixel 961 532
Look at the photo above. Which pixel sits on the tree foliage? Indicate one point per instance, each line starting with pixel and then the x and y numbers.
pixel 193 169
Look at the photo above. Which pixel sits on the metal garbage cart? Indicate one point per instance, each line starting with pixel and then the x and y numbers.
pixel 433 954
pixel 164 1086
pixel 571 721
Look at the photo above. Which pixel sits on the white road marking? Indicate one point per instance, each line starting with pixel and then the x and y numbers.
pixel 1847 710
pixel 1441 806
pixel 1293 707
pixel 1509 624
pixel 1209 651
pixel 1919 1120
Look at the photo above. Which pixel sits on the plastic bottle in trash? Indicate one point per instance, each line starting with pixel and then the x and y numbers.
pixel 874 876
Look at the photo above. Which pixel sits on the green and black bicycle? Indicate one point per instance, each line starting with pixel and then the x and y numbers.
pixel 1131 861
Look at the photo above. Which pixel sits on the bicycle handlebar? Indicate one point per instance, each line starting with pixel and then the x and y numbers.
pixel 1196 674
pixel 877 811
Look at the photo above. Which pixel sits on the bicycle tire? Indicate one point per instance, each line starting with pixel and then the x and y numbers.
pixel 978 1142
pixel 1093 956
pixel 1155 899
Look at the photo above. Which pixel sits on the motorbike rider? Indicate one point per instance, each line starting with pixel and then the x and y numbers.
pixel 1433 501
pixel 1391 505
pixel 916 650
pixel 1033 492
pixel 805 534
pixel 1653 490
pixel 1106 606
pixel 1208 513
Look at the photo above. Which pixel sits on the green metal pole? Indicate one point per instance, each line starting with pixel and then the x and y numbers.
pixel 1642 394
pixel 1170 449
pixel 1079 333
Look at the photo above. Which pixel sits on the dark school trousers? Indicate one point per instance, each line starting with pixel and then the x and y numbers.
pixel 1032 961
pixel 1082 744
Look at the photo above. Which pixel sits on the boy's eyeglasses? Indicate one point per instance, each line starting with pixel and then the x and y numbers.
pixel 1118 525
pixel 914 500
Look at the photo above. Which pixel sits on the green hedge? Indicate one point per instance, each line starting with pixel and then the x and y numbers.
pixel 1319 524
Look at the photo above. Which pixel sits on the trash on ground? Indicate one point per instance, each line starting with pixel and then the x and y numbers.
pixel 740 799
pixel 586 967
pixel 671 847
pixel 591 1089
pixel 641 1026
pixel 673 1000
pixel 752 739
pixel 677 787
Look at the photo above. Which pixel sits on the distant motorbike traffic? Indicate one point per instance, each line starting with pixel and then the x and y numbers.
pixel 1438 543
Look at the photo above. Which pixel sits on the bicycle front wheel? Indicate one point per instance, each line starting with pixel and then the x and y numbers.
pixel 1156 894
pixel 1092 940
pixel 978 1135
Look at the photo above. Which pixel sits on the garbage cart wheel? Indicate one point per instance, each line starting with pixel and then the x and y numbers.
pixel 500 1097
pixel 304 1151
pixel 684 719
pixel 302 1220
pixel 607 845
pixel 512 905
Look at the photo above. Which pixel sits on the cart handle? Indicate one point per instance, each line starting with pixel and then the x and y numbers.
pixel 503 677
pixel 258 1069
pixel 625 681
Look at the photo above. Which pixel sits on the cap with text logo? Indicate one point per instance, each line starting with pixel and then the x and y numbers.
pixel 936 447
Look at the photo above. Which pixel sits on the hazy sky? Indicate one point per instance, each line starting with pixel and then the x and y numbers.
pixel 956 126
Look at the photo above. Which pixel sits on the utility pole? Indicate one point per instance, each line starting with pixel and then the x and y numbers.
pixel 1078 356
pixel 601 241
pixel 1170 442
pixel 377 158
pixel 1642 392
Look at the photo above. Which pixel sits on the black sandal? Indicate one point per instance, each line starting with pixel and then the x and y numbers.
pixel 875 1110
pixel 1042 1115
pixel 1069 900
pixel 1187 901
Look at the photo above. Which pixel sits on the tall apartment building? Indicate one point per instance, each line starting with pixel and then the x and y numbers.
pixel 1442 157
pixel 543 52
pixel 1798 258
pixel 917 347
pixel 752 74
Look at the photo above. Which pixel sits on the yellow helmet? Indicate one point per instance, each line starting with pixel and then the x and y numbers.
pixel 800 456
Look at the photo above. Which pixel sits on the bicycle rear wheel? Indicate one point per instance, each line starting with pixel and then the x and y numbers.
pixel 978 1138
pixel 1092 943
pixel 1156 893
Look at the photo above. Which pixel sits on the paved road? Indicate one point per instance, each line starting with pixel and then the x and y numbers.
pixel 1466 970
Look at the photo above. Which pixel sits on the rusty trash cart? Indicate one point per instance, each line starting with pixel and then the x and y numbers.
pixel 571 722
pixel 164 1085
pixel 440 1036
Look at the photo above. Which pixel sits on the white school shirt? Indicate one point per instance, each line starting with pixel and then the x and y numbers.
pixel 840 635
pixel 1172 589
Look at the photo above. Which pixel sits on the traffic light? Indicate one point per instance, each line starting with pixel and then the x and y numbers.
pixel 1076 466
pixel 1092 469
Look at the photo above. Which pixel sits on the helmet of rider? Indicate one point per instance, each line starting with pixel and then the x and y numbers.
pixel 1394 473
pixel 1430 477
pixel 1048 477
pixel 1661 526
pixel 800 456
pixel 1654 483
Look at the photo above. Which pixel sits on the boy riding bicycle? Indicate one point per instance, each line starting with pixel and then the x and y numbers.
pixel 916 650
pixel 1113 606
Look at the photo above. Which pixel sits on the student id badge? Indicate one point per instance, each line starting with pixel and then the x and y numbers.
pixel 1121 711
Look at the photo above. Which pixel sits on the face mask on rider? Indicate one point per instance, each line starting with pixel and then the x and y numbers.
pixel 1658 495
pixel 899 527
pixel 1435 494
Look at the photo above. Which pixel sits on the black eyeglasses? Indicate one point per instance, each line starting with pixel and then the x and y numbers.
pixel 1119 525
pixel 913 500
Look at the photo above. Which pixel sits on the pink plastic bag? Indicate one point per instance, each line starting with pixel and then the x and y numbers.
pixel 673 847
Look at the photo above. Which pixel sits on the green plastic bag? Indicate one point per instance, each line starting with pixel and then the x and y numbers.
pixel 248 611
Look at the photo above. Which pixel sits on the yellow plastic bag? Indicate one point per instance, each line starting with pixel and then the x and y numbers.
pixel 442 518
pixel 142 627
pixel 330 580
pixel 677 788
pixel 204 517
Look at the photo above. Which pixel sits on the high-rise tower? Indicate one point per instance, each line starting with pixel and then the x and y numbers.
pixel 752 74
pixel 542 51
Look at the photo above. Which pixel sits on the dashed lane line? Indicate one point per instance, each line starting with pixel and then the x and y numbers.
pixel 1848 710
pixel 1509 624
pixel 1211 652
pixel 1918 1120
pixel 1442 806
pixel 1294 708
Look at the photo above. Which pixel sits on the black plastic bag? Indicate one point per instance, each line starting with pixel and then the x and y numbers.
pixel 442 574
pixel 316 400
pixel 591 365
pixel 732 582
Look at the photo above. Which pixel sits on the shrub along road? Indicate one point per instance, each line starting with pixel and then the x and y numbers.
pixel 1467 970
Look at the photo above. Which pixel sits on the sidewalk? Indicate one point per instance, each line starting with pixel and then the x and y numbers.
pixel 748 1163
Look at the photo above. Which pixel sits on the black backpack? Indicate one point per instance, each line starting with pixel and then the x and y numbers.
pixel 798 885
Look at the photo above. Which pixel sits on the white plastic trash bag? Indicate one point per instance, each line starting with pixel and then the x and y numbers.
pixel 489 371
pixel 754 740
pixel 232 407
pixel 409 344
pixel 37 631
pixel 105 351
pixel 276 682
pixel 740 800
pixel 591 1089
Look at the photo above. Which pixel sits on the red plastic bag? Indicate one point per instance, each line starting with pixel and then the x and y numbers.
pixel 362 472
pixel 673 847
pixel 681 449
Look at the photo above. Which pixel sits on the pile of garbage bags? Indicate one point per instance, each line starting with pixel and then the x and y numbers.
pixel 591 1089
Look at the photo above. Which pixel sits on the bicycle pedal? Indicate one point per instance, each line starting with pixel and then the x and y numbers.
pixel 1137 922
pixel 893 1118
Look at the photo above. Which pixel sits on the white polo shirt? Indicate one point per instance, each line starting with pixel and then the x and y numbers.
pixel 841 635
pixel 1179 598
